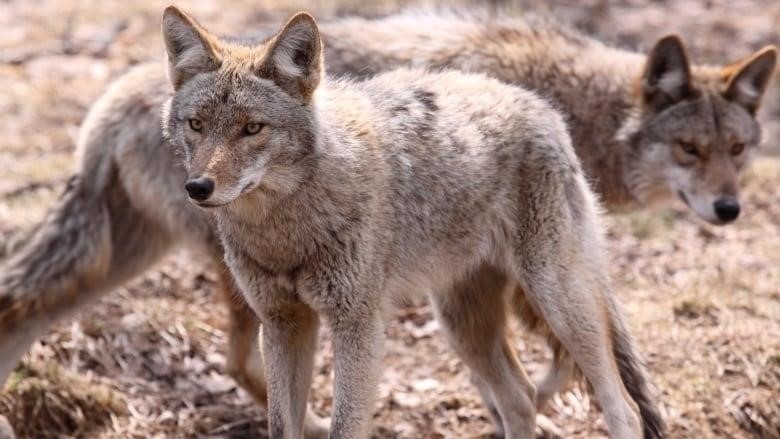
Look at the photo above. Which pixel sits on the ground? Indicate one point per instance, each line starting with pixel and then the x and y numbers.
pixel 147 360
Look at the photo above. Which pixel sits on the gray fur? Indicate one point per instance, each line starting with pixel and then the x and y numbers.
pixel 359 193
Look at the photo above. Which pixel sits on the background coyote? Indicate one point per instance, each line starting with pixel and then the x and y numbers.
pixel 718 270
pixel 647 129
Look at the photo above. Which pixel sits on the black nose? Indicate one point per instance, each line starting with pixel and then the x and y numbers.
pixel 200 189
pixel 726 208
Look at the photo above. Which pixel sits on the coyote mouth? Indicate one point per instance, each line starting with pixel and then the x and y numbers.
pixel 713 221
pixel 208 205
pixel 249 186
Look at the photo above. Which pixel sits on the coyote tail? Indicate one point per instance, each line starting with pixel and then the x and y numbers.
pixel 68 253
pixel 632 374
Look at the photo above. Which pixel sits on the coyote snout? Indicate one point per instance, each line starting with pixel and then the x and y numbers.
pixel 708 182
pixel 716 210
pixel 726 208
pixel 200 188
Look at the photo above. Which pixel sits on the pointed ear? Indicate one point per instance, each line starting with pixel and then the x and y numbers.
pixel 189 47
pixel 294 59
pixel 748 81
pixel 667 76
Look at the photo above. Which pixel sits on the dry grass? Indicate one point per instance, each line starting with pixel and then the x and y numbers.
pixel 148 359
pixel 42 397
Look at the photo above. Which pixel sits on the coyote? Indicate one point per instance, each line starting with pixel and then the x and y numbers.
pixel 647 129
pixel 128 176
pixel 333 198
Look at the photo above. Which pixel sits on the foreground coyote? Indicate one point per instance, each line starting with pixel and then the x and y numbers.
pixel 124 209
pixel 334 198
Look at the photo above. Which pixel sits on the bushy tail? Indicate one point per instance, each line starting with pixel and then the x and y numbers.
pixel 67 254
pixel 89 243
pixel 632 374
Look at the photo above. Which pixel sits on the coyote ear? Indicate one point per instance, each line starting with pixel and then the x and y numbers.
pixel 748 80
pixel 667 76
pixel 294 59
pixel 189 47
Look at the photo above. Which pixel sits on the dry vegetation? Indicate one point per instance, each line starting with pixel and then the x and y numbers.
pixel 147 360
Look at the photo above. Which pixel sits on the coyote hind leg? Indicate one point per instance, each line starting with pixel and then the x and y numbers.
pixel 475 324
pixel 570 299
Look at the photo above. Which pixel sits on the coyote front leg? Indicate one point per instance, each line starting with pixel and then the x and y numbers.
pixel 244 360
pixel 357 352
pixel 289 341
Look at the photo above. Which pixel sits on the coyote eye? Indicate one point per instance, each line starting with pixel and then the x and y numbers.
pixel 688 147
pixel 737 148
pixel 195 124
pixel 252 128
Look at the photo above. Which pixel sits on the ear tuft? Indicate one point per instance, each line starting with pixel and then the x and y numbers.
pixel 667 76
pixel 746 86
pixel 187 45
pixel 294 60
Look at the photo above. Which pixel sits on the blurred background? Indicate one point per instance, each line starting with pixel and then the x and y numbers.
pixel 703 302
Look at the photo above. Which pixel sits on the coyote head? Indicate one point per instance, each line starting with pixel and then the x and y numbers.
pixel 241 115
pixel 696 129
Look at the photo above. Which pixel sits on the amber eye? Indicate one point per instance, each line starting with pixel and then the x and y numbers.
pixel 688 147
pixel 737 148
pixel 252 128
pixel 195 124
